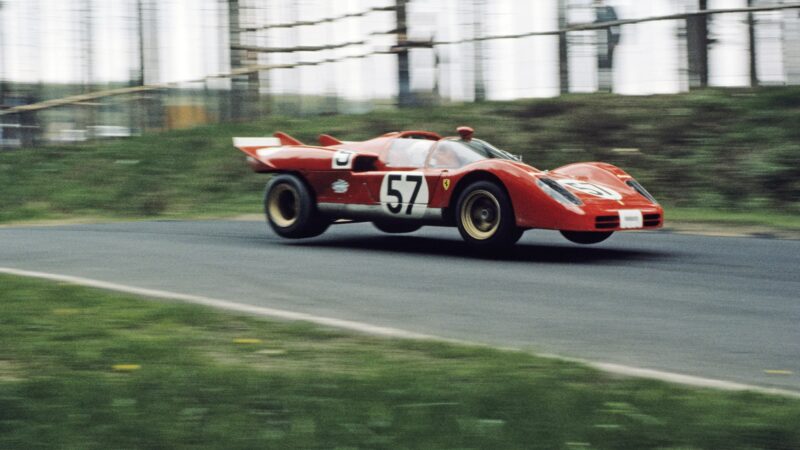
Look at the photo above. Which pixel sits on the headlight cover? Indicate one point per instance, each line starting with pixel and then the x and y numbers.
pixel 641 190
pixel 558 192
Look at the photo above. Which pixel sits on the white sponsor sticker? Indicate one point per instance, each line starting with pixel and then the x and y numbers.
pixel 591 189
pixel 630 218
pixel 404 194
pixel 340 186
pixel 342 159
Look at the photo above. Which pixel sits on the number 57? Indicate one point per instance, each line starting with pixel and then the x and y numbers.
pixel 395 182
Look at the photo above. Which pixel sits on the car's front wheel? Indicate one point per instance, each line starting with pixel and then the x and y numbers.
pixel 291 209
pixel 586 237
pixel 485 217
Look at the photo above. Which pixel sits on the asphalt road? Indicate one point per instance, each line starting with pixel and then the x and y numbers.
pixel 724 308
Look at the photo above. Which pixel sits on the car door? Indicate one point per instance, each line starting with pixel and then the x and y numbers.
pixel 403 187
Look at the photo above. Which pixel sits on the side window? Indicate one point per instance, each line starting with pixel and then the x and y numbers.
pixel 408 152
pixel 452 155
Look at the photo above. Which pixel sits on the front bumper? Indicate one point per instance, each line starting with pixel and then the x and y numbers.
pixel 594 218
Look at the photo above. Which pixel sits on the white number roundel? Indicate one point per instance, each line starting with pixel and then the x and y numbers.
pixel 591 189
pixel 342 159
pixel 404 194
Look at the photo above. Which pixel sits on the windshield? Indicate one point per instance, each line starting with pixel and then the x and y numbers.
pixel 488 150
pixel 453 153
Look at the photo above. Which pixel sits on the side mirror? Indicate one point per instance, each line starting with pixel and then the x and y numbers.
pixel 365 162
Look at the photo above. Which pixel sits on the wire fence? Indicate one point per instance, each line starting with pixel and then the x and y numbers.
pixel 240 59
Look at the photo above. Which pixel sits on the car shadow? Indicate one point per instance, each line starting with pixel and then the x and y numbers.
pixel 522 252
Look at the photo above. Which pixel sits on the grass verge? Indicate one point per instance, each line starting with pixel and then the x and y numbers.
pixel 768 220
pixel 82 368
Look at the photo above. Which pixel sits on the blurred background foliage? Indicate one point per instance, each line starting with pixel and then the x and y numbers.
pixel 715 149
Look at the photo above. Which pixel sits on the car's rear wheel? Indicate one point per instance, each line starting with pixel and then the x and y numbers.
pixel 587 237
pixel 485 217
pixel 291 209
pixel 397 227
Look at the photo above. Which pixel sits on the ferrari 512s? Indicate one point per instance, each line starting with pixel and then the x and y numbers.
pixel 403 180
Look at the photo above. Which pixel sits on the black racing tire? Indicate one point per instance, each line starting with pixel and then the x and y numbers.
pixel 291 209
pixel 397 227
pixel 485 217
pixel 586 237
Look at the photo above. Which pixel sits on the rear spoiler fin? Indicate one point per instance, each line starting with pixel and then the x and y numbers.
pixel 286 139
pixel 326 140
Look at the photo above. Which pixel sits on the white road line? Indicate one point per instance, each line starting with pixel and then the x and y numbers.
pixel 376 330
pixel 222 304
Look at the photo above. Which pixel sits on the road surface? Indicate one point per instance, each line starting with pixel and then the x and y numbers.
pixel 722 308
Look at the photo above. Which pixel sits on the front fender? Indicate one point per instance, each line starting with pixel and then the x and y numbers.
pixel 604 173
pixel 532 207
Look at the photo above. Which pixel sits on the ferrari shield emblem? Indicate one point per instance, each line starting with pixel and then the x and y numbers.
pixel 446 183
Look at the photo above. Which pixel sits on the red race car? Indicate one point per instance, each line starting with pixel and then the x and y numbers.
pixel 403 180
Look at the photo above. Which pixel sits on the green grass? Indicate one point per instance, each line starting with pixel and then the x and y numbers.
pixel 710 150
pixel 299 386
pixel 762 218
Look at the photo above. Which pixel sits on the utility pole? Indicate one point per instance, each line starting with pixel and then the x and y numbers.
pixel 135 110
pixel 563 49
pixel 403 77
pixel 3 86
pixel 252 100
pixel 140 31
pixel 88 45
pixel 149 64
pixel 751 28
pixel 88 58
pixel 2 71
pixel 237 83
pixel 697 43
pixel 262 80
pixel 477 32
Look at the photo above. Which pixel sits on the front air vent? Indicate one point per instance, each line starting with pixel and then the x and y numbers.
pixel 652 220
pixel 606 222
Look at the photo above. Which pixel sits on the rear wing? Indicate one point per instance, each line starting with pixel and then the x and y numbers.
pixel 258 149
pixel 283 152
pixel 251 145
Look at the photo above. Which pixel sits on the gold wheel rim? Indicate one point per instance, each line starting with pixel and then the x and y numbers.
pixel 480 215
pixel 283 205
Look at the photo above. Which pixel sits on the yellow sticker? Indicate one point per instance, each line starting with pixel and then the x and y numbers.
pixel 126 367
pixel 446 183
